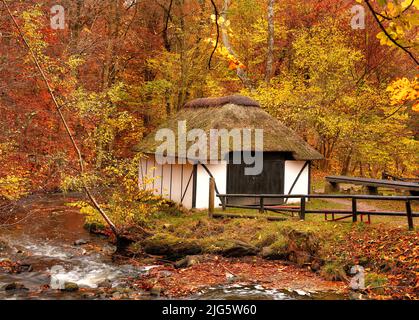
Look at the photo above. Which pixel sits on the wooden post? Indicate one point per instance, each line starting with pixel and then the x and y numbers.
pixel 354 210
pixel 409 215
pixel 262 205
pixel 211 197
pixel 303 209
pixel 224 203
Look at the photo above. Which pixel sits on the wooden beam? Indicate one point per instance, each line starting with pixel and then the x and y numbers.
pixel 354 210
pixel 262 205
pixel 211 197
pixel 194 185
pixel 373 182
pixel 409 216
pixel 303 209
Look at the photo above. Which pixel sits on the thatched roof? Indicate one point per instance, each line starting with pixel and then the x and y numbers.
pixel 231 113
pixel 221 101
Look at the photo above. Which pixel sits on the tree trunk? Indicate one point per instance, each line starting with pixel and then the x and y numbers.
pixel 76 148
pixel 184 69
pixel 76 24
pixel 346 163
pixel 165 33
pixel 271 39
pixel 109 66
pixel 241 73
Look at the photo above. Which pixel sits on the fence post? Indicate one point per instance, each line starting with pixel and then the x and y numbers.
pixel 303 209
pixel 211 198
pixel 409 215
pixel 262 205
pixel 354 210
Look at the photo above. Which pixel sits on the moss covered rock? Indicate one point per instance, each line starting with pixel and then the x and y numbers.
pixel 171 247
pixel 71 287
pixel 238 248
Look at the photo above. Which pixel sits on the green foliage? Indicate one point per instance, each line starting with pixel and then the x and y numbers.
pixel 375 280
pixel 124 201
pixel 349 119
pixel 110 118
pixel 336 91
pixel 333 271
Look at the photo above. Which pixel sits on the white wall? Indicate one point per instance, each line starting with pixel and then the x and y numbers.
pixel 292 169
pixel 219 172
pixel 169 181
pixel 187 171
pixel 179 175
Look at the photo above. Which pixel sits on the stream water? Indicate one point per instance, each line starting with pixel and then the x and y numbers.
pixel 42 237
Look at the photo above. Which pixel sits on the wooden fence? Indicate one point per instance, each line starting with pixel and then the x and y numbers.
pixel 303 211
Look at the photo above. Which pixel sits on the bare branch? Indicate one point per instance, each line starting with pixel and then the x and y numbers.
pixel 398 16
pixel 63 120
pixel 218 33
pixel 388 35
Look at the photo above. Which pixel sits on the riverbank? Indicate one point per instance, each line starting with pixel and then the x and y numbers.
pixel 211 271
pixel 49 242
pixel 319 250
pixel 188 255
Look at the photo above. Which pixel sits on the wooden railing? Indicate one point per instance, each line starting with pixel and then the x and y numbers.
pixel 392 177
pixel 302 210
pixel 372 185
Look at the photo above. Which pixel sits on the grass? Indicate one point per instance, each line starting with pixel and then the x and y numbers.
pixel 333 246
pixel 318 204
pixel 257 231
pixel 219 233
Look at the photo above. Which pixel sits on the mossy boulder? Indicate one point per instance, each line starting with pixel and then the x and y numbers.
pixel 237 248
pixel 171 247
pixel 278 250
pixel 70 287
pixel 14 286
pixel 266 240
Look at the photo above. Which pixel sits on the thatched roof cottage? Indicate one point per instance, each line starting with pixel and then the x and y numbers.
pixel 184 178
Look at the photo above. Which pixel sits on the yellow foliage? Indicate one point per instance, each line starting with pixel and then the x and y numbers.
pixel 13 187
pixel 404 90
pixel 403 21
pixel 125 203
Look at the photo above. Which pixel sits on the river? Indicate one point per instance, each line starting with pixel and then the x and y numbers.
pixel 42 236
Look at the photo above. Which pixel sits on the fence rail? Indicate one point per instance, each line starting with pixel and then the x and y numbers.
pixel 302 210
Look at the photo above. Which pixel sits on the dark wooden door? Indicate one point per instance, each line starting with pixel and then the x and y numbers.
pixel 270 181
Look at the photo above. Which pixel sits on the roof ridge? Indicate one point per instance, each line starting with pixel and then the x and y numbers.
pixel 221 101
